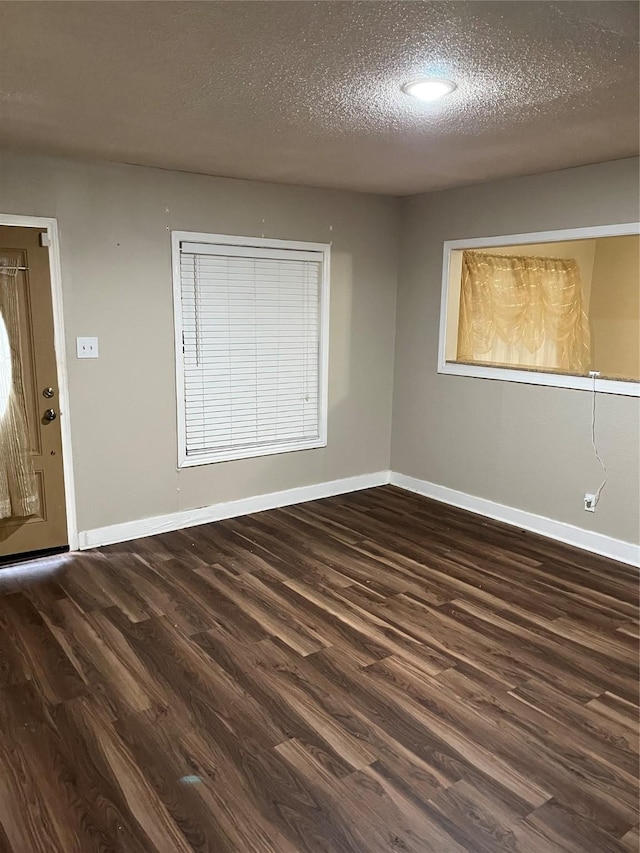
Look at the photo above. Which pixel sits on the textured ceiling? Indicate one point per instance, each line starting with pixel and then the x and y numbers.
pixel 309 92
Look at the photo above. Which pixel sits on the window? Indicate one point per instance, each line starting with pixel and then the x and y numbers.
pixel 251 321
pixel 558 308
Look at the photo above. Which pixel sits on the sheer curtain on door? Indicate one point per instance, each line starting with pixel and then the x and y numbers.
pixel 18 490
pixel 523 312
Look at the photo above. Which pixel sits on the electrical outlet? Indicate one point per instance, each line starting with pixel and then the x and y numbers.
pixel 590 502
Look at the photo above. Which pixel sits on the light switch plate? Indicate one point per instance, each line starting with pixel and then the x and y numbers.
pixel 87 347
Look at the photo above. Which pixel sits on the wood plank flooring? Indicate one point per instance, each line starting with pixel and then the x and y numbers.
pixel 367 673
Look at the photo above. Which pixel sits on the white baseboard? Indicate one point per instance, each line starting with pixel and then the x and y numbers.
pixel 597 543
pixel 216 512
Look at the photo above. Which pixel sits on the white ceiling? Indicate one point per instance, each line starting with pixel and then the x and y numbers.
pixel 309 92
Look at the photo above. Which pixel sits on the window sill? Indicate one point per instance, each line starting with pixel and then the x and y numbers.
pixel 249 453
pixel 533 376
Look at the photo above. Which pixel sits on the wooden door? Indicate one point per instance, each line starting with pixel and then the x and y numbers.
pixel 46 531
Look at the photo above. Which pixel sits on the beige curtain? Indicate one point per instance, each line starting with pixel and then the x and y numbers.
pixel 525 311
pixel 18 492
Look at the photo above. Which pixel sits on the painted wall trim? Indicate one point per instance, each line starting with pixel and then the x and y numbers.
pixel 597 543
pixel 230 509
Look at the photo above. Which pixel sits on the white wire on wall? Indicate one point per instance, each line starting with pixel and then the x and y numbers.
pixel 594 375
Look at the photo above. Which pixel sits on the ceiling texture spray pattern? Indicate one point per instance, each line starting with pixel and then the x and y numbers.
pixel 310 92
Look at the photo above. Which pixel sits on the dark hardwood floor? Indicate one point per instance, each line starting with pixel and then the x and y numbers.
pixel 372 672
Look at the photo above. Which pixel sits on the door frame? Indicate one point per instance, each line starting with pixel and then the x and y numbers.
pixel 55 274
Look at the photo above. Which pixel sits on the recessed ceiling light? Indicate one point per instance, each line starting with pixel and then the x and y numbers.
pixel 429 88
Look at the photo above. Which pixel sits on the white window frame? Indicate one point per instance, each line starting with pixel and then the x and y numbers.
pixel 530 377
pixel 178 237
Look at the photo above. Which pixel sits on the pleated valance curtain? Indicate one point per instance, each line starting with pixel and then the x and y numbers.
pixel 523 310
pixel 18 492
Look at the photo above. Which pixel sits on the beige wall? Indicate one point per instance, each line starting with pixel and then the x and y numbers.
pixel 114 230
pixel 525 446
pixel 615 307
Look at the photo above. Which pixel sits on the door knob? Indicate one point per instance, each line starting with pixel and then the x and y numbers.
pixel 49 415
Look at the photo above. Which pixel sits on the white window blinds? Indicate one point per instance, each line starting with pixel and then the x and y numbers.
pixel 252 339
